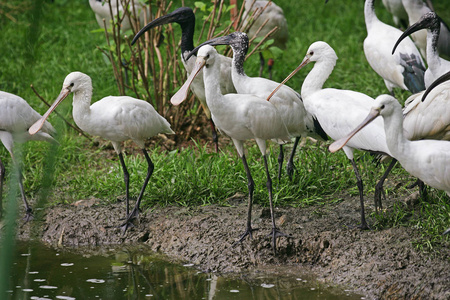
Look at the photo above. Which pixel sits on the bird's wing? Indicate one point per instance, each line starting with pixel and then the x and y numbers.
pixel 429 119
pixel 430 162
pixel 16 114
pixel 247 117
pixel 341 111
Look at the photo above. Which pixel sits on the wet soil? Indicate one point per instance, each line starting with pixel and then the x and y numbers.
pixel 380 264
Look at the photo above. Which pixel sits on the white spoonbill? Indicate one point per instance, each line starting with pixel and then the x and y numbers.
pixel 339 110
pixel 113 118
pixel 428 160
pixel 405 69
pixel 241 117
pixel 102 11
pixel 416 9
pixel 428 119
pixel 436 65
pixel 185 17
pixel 16 116
pixel 266 15
pixel 288 102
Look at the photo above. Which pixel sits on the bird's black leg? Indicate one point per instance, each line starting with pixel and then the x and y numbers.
pixel 275 231
pixel 280 162
pixel 361 195
pixel 2 177
pixel 125 67
pixel 28 211
pixel 126 177
pixel 261 61
pixel 251 188
pixel 290 165
pixel 379 187
pixel 422 188
pixel 135 212
pixel 214 135
pixel 270 66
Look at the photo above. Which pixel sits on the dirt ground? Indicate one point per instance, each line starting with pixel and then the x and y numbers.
pixel 380 264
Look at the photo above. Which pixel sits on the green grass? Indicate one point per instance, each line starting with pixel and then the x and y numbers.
pixel 42 48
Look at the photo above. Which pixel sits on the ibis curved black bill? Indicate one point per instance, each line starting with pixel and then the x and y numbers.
pixel 428 20
pixel 435 83
pixel 180 15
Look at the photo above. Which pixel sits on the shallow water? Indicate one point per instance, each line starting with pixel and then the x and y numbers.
pixel 40 272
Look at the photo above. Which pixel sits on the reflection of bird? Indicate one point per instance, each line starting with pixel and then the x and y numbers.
pixel 436 65
pixel 16 116
pixel 404 69
pixel 416 9
pixel 185 17
pixel 339 111
pixel 102 11
pixel 116 119
pixel 429 160
pixel 288 102
pixel 269 15
pixel 241 117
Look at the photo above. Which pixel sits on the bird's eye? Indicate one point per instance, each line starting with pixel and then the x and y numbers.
pixel 72 84
pixel 207 56
pixel 382 106
pixel 311 52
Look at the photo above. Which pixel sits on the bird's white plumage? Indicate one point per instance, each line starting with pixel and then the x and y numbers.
pixel 16 116
pixel 378 45
pixel 198 85
pixel 338 111
pixel 113 118
pixel 429 160
pixel 429 119
pixel 415 10
pixel 240 116
pixel 286 100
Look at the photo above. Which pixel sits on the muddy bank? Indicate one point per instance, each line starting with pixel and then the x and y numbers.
pixel 379 264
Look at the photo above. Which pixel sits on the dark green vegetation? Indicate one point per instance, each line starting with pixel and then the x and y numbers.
pixel 43 41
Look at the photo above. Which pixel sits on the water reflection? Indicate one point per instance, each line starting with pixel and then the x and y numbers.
pixel 132 273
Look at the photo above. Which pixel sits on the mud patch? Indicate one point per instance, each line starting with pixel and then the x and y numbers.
pixel 325 240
